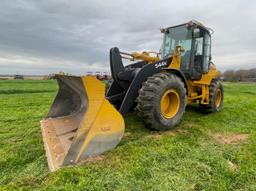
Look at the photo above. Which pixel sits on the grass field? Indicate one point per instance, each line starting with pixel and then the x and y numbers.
pixel 205 152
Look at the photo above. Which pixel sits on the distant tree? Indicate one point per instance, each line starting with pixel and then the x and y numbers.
pixel 252 73
pixel 240 75
pixel 229 75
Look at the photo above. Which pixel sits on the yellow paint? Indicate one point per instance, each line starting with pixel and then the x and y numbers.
pixel 218 98
pixel 207 78
pixel 193 93
pixel 145 56
pixel 205 94
pixel 176 59
pixel 175 64
pixel 101 117
pixel 202 85
pixel 170 103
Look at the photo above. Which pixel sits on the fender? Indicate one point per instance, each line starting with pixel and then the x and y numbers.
pixel 179 74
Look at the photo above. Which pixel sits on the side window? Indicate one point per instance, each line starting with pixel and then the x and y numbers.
pixel 185 57
pixel 199 46
pixel 207 52
pixel 198 54
pixel 186 44
pixel 167 45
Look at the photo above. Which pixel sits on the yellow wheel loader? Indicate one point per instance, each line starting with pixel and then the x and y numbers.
pixel 84 121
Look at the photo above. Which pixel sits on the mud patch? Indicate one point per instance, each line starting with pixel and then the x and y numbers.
pixel 230 138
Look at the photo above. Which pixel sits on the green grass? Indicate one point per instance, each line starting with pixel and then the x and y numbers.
pixel 187 158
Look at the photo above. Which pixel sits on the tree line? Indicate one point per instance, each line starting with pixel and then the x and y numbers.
pixel 239 75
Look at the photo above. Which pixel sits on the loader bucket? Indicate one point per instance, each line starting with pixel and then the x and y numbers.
pixel 81 122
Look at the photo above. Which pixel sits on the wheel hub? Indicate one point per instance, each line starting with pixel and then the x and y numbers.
pixel 218 98
pixel 170 103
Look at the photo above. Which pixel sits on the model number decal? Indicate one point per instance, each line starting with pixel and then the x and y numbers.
pixel 160 64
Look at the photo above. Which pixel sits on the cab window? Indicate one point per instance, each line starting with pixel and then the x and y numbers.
pixel 207 52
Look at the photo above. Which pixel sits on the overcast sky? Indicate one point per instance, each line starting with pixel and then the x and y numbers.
pixel 47 36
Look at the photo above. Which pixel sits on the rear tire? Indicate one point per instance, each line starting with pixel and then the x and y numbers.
pixel 215 98
pixel 162 101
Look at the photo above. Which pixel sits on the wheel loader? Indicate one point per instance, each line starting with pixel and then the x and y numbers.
pixel 84 121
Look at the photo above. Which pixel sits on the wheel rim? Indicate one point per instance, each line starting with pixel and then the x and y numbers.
pixel 218 98
pixel 170 103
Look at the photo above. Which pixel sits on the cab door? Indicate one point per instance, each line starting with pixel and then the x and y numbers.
pixel 201 54
pixel 206 53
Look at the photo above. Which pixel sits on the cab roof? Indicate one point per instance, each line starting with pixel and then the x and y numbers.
pixel 192 23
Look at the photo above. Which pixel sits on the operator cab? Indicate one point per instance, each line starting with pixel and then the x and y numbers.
pixel 195 39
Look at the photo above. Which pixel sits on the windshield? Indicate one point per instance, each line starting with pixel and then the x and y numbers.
pixel 179 35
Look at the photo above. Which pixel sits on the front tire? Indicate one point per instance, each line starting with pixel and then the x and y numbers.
pixel 162 101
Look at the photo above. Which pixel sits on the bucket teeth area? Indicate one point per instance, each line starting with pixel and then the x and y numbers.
pixel 56 141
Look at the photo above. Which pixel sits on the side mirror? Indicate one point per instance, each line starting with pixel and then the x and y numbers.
pixel 164 30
